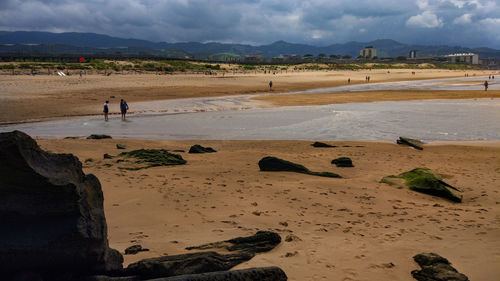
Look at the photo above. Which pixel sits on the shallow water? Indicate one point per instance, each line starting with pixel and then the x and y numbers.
pixel 427 120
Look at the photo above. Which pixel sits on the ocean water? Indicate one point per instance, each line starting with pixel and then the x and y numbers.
pixel 431 120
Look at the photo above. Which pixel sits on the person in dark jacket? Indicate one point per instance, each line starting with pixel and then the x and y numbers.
pixel 106 110
pixel 123 108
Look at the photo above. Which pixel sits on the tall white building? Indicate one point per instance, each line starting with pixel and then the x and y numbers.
pixel 368 52
pixel 467 58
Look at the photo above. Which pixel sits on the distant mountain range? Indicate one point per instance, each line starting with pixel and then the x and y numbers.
pixel 385 47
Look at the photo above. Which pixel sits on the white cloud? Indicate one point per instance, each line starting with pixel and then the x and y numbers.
pixel 463 19
pixel 426 20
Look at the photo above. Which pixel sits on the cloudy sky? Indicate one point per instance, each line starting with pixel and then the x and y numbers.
pixel 470 23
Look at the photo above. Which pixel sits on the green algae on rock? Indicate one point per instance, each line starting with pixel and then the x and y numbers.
pixel 425 181
pixel 153 158
pixel 270 163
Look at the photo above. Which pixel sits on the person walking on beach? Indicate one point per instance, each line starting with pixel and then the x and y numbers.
pixel 123 108
pixel 486 85
pixel 271 85
pixel 106 110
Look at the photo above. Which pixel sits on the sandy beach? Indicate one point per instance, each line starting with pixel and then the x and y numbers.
pixel 353 228
pixel 25 97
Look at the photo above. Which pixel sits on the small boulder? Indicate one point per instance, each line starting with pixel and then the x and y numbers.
pixel 436 268
pixel 120 146
pixel 410 142
pixel 271 163
pixel 343 162
pixel 98 137
pixel 134 249
pixel 322 144
pixel 107 156
pixel 200 149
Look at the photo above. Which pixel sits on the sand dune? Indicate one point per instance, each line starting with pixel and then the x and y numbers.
pixel 353 228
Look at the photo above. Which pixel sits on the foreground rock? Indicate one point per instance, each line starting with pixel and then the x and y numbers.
pixel 51 214
pixel 152 158
pixel 322 144
pixel 270 163
pixel 272 273
pixel 262 241
pixel 192 263
pixel 435 268
pixel 425 181
pixel 250 274
pixel 98 137
pixel 411 142
pixel 200 149
pixel 343 162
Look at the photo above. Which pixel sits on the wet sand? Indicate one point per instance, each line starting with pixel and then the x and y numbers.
pixel 24 97
pixel 353 228
pixel 372 96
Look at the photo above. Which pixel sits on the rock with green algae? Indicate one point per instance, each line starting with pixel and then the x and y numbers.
pixel 153 158
pixel 270 163
pixel 425 181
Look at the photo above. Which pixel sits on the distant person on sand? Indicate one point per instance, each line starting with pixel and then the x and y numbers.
pixel 271 85
pixel 106 110
pixel 486 85
pixel 123 108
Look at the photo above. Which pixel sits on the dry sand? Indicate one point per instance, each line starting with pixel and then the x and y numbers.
pixel 353 228
pixel 24 97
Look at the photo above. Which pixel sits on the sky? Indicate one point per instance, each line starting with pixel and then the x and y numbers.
pixel 468 23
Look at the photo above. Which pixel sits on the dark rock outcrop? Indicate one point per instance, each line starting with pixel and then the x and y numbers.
pixel 262 241
pixel 343 162
pixel 274 164
pixel 51 213
pixel 192 263
pixel 200 149
pixel 249 274
pixel 425 181
pixel 134 249
pixel 435 268
pixel 98 137
pixel 322 144
pixel 410 142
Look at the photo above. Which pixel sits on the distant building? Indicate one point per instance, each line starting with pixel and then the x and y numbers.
pixel 467 58
pixel 368 52
pixel 254 58
pixel 412 54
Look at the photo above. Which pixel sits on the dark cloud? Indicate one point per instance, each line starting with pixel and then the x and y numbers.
pixel 460 22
